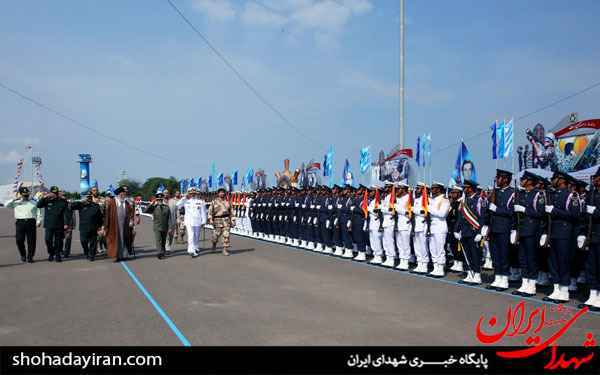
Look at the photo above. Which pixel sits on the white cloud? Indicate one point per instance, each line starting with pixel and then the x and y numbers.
pixel 216 10
pixel 256 14
pixel 11 157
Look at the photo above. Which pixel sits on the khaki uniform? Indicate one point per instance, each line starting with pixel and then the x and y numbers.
pixel 101 201
pixel 221 212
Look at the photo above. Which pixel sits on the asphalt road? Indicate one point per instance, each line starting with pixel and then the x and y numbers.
pixel 263 294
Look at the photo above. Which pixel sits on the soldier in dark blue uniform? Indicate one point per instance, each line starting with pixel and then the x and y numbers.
pixel 473 213
pixel 530 208
pixel 359 222
pixel 543 185
pixel 344 206
pixel 563 207
pixel 315 206
pixel 592 248
pixel 336 231
pixel 90 220
pixel 292 213
pixel 325 222
pixel 306 231
pixel 56 219
pixel 577 255
pixel 501 220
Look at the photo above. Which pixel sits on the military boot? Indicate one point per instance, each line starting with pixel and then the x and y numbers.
pixel 214 248
pixel 225 251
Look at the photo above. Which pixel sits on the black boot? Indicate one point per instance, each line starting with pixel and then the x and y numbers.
pixel 58 259
pixel 30 260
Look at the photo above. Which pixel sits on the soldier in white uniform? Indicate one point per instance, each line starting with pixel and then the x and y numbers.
pixel 195 219
pixel 439 206
pixel 389 223
pixel 375 227
pixel 404 214
pixel 420 239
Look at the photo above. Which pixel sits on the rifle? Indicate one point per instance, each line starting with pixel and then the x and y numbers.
pixel 590 224
pixel 517 201
pixel 487 235
pixel 549 219
pixel 412 217
pixel 428 222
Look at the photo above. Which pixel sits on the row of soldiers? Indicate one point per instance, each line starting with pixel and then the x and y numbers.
pixel 541 230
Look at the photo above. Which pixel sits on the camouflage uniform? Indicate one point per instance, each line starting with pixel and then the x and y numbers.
pixel 101 201
pixel 222 213
pixel 136 214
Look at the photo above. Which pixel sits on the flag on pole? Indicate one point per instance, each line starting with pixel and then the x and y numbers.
pixel 494 146
pixel 500 132
pixel 508 139
pixel 376 198
pixel 429 150
pixel 327 165
pixel 183 186
pixel 365 204
pixel 220 180
pixel 424 200
pixel 199 183
pixel 27 148
pixel 418 158
pixel 423 149
pixel 210 181
pixel 192 183
pixel 365 159
pixel 234 177
pixel 160 189
pixel 249 174
pixel 347 175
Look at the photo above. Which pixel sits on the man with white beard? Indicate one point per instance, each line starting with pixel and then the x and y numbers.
pixel 439 206
pixel 194 219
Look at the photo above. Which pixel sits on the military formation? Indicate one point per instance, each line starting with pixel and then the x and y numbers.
pixel 541 233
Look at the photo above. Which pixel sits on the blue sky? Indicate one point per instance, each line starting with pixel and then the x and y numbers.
pixel 136 71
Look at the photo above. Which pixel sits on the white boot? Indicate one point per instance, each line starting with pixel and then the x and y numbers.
pixel 524 286
pixel 348 253
pixel 530 289
pixel 303 244
pixel 468 279
pixel 403 265
pixel 488 264
pixel 296 242
pixel 328 250
pixel 434 270
pixel 573 286
pixel 311 246
pixel 319 247
pixel 376 260
pixel 458 266
pixel 338 251
pixel 495 283
pixel 389 262
pixel 503 284
pixel 593 297
pixel 476 278
pixel 440 271
pixel 515 274
pixel 563 294
pixel 554 293
pixel 361 257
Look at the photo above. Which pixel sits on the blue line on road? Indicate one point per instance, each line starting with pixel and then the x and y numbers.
pixel 160 311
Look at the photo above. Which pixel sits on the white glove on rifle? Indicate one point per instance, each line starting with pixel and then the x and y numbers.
pixel 543 240
pixel 484 230
pixel 580 241
pixel 457 235
pixel 327 224
pixel 549 209
pixel 315 221
pixel 513 236
pixel 590 209
pixel 349 224
pixel 519 208
pixel 493 207
pixel 478 238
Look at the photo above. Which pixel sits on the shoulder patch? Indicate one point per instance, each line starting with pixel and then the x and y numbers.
pixel 483 203
pixel 575 202
pixel 541 200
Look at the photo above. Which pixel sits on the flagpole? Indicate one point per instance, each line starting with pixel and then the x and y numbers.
pixel 513 146
pixel 401 74
pixel 461 162
pixel 503 143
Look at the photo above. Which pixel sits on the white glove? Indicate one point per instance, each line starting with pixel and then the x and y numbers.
pixel 457 235
pixel 580 241
pixel 484 230
pixel 330 207
pixel 493 207
pixel 478 238
pixel 327 224
pixel 303 206
pixel 349 224
pixel 335 221
pixel 315 221
pixel 312 206
pixel 294 219
pixel 318 207
pixel 352 208
pixel 543 240
pixel 339 206
pixel 549 209
pixel 519 208
pixel 513 236
pixel 590 209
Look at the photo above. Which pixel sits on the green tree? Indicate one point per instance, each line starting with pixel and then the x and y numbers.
pixel 133 187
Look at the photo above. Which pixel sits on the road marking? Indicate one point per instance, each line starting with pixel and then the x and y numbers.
pixel 183 340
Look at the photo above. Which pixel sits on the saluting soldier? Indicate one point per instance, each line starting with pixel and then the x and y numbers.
pixel 27 216
pixel 564 211
pixel 56 220
pixel 592 261
pixel 161 222
pixel 90 221
pixel 502 209
pixel 473 212
pixel 530 207
pixel 222 217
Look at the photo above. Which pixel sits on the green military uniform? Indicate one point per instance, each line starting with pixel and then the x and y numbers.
pixel 161 219
pixel 221 213
pixel 90 221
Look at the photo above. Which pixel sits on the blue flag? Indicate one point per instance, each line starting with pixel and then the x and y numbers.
pixel 95 183
pixel 183 185
pixel 347 176
pixel 508 139
pixel 192 183
pixel 111 189
pixel 423 149
pixel 500 131
pixel 199 184
pixel 210 182
pixel 325 167
pixel 418 158
pixel 160 189
pixel 220 180
pixel 494 146
pixel 429 150
pixel 249 174
pixel 234 178
pixel 464 168
pixel 365 159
